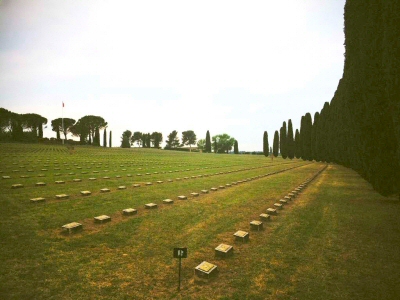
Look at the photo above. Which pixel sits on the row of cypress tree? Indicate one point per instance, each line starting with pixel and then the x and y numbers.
pixel 360 127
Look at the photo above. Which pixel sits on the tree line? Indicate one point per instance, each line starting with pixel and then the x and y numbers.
pixel 221 143
pixel 29 128
pixel 360 127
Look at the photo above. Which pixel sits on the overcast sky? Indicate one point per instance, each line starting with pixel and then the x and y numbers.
pixel 235 67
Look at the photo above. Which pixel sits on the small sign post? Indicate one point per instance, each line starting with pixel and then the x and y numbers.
pixel 180 253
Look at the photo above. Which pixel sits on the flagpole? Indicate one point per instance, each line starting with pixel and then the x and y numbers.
pixel 62 121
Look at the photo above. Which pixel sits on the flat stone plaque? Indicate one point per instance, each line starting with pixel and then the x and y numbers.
pixel 118 176
pixel 168 201
pixel 86 193
pixel 129 211
pixel 40 184
pixel 37 200
pixel 122 187
pixel 106 177
pixel 72 227
pixel 283 201
pixel 159 181
pixel 278 205
pixel 182 197
pixel 136 185
pixel 292 195
pixel 105 190
pixel 204 191
pixel 228 185
pixel 62 196
pixel 256 225
pixel 102 219
pixel 241 236
pixel 224 250
pixel 77 180
pixel 148 183
pixel 60 182
pixel 17 186
pixel 214 189
pixel 287 198
pixel 221 187
pixel 92 178
pixel 194 194
pixel 205 269
pixel 150 205
pixel 265 217
pixel 272 211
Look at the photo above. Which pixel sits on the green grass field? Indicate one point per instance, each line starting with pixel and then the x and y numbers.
pixel 337 240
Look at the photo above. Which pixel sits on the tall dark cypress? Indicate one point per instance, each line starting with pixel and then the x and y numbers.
pixel 314 153
pixel 275 145
pixel 297 144
pixel 236 148
pixel 110 139
pixel 290 140
pixel 283 137
pixel 208 142
pixel 105 137
pixel 265 144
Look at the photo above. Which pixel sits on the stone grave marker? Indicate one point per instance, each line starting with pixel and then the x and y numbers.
pixel 104 190
pixel 92 178
pixel 265 217
pixel 40 184
pixel 62 196
pixel 204 191
pixel 224 250
pixel 106 177
pixel 159 181
pixel 168 201
pixel 86 193
pixel 272 211
pixel 148 183
pixel 129 211
pixel 194 194
pixel 283 201
pixel 77 180
pixel 37 200
pixel 102 219
pixel 241 235
pixel 214 189
pixel 60 182
pixel 287 198
pixel 291 195
pixel 278 205
pixel 256 225
pixel 221 187
pixel 205 270
pixel 72 227
pixel 150 205
pixel 182 197
pixel 17 186
pixel 122 187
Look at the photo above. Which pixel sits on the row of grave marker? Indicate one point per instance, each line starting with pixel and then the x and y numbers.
pixel 207 269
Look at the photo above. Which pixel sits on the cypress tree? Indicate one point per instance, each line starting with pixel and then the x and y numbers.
pixel 297 144
pixel 290 140
pixel 265 144
pixel 315 128
pixel 208 142
pixel 110 139
pixel 276 144
pixel 283 138
pixel 236 148
pixel 105 138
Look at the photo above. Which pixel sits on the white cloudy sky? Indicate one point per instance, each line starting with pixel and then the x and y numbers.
pixel 236 67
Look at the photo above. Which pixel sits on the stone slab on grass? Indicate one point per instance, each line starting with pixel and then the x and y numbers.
pixel 129 211
pixel 77 180
pixel 40 184
pixel 272 211
pixel 60 182
pixel 224 250
pixel 62 196
pixel 241 235
pixel 105 190
pixel 17 186
pixel 122 187
pixel 194 194
pixel 37 200
pixel 86 193
pixel 6 177
pixel 72 227
pixel 256 225
pixel 168 201
pixel 278 205
pixel 204 191
pixel 214 189
pixel 283 201
pixel 150 206
pixel 288 198
pixel 205 269
pixel 182 197
pixel 102 219
pixel 265 217
pixel 136 185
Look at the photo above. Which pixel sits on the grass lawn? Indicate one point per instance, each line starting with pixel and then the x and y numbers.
pixel 337 240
